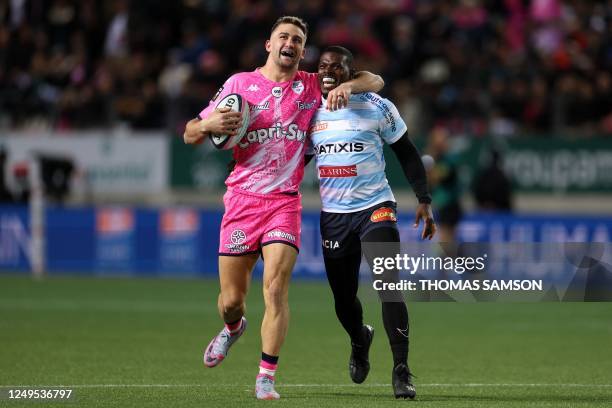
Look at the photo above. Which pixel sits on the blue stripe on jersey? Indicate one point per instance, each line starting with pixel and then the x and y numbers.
pixel 348 144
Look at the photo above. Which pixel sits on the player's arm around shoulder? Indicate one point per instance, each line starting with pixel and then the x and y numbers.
pixel 363 81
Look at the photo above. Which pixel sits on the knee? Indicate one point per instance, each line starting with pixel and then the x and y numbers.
pixel 275 293
pixel 233 302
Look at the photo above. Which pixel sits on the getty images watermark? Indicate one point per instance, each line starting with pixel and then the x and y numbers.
pixel 458 265
pixel 491 272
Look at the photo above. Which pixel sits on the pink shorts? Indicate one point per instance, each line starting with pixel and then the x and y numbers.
pixel 254 220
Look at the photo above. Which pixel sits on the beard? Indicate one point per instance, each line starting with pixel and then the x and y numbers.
pixel 283 63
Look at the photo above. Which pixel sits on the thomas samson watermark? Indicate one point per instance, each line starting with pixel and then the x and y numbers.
pixel 491 272
pixel 458 265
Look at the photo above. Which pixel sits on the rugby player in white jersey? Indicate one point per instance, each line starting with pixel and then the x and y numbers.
pixel 358 206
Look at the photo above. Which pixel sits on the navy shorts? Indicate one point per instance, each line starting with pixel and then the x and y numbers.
pixel 342 233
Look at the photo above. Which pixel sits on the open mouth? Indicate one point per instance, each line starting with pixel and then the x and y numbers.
pixel 287 53
pixel 329 81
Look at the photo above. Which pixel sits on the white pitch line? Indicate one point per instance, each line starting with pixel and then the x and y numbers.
pixel 472 385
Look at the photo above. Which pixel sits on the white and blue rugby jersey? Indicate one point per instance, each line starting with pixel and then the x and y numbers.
pixel 348 144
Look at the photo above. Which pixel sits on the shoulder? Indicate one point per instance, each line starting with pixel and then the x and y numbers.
pixel 375 101
pixel 239 77
pixel 308 77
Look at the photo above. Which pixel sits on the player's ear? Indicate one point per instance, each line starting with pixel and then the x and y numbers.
pixel 303 53
pixel 268 46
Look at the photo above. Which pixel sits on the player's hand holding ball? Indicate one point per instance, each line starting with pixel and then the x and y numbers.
pixel 232 118
pixel 225 125
pixel 222 121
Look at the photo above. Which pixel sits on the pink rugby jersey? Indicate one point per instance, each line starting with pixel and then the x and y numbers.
pixel 270 157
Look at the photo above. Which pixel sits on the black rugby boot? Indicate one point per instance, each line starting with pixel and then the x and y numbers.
pixel 359 364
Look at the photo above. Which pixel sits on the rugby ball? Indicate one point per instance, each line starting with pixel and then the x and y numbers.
pixel 237 104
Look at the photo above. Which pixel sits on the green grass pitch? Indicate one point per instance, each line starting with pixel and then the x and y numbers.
pixel 138 343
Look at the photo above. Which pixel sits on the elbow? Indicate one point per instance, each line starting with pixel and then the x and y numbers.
pixel 188 134
pixel 186 138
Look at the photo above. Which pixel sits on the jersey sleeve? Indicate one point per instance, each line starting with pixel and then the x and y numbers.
pixel 391 124
pixel 227 88
pixel 311 80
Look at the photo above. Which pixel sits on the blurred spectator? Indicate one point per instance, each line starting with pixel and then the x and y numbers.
pixel 444 184
pixel 491 187
pixel 116 43
pixel 5 194
pixel 476 67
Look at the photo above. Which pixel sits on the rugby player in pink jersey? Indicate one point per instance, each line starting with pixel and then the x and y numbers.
pixel 262 202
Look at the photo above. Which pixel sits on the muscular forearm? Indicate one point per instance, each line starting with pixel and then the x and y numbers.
pixel 365 81
pixel 193 132
pixel 413 168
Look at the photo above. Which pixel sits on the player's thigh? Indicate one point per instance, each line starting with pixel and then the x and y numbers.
pixel 379 223
pixel 378 231
pixel 343 274
pixel 380 242
pixel 235 274
pixel 338 235
pixel 385 233
pixel 341 253
pixel 279 260
pixel 283 221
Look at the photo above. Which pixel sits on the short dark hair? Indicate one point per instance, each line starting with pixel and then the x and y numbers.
pixel 296 21
pixel 337 49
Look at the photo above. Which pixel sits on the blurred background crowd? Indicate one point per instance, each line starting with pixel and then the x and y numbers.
pixel 475 67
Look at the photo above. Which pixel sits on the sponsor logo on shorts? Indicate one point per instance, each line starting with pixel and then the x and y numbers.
pixel 383 214
pixel 238 237
pixel 277 91
pixel 282 235
pixel 337 171
pixel 329 244
pixel 236 248
pixel 298 87
pixel 214 98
